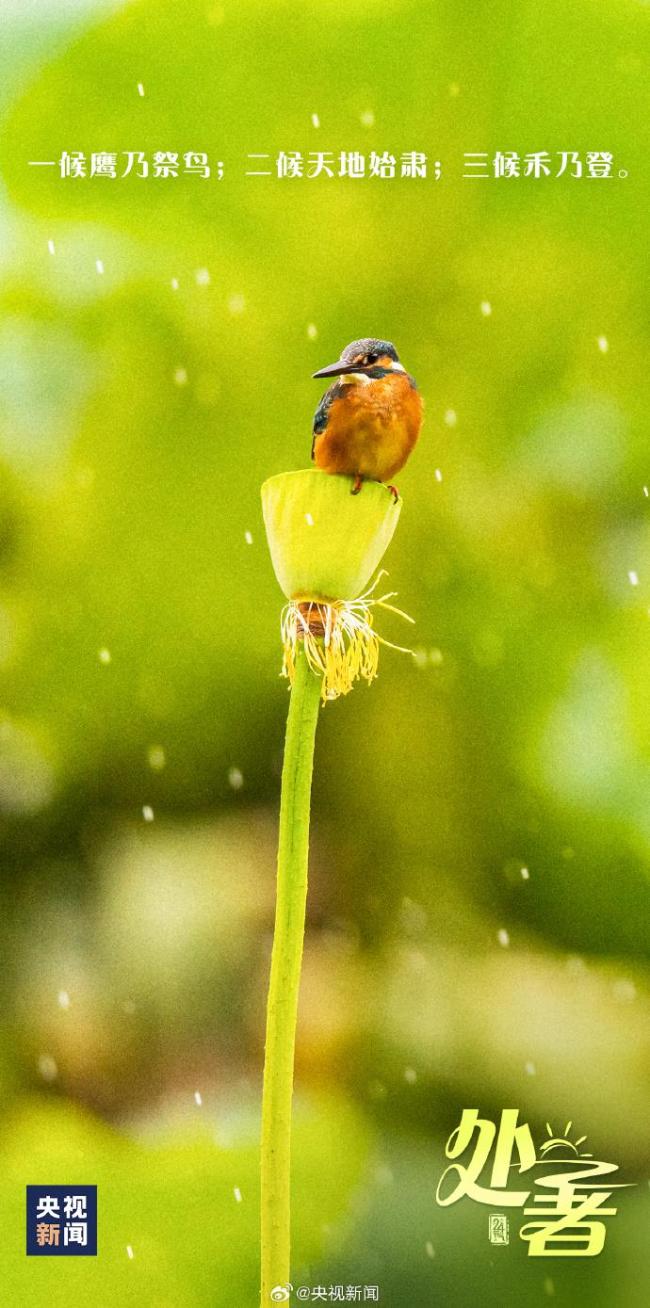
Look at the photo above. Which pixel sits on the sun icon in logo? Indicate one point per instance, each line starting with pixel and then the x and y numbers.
pixel 569 1148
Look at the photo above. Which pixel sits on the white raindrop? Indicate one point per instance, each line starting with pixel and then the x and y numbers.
pixel 503 937
pixel 180 376
pixel 450 417
pixel 235 778
pixel 99 264
pixel 147 813
pixel 198 1098
pixel 47 1067
pixel 603 344
pixel 237 1193
pixel 104 655
pixel 156 758
pixel 140 88
pixel 315 120
pixel 202 276
pixel 63 999
pixel 312 331
pixel 486 308
pixel 248 537
pixel 51 246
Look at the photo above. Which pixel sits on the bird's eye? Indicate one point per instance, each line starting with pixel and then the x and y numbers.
pixel 372 358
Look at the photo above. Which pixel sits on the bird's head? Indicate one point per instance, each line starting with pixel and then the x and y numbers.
pixel 362 356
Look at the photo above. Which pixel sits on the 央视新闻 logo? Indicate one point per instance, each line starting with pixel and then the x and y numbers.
pixel 61 1220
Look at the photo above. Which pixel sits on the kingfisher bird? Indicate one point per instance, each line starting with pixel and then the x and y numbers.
pixel 369 420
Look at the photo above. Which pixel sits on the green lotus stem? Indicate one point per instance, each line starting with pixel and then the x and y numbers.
pixel 286 961
pixel 325 545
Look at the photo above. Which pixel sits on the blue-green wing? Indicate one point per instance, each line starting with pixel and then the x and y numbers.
pixel 321 415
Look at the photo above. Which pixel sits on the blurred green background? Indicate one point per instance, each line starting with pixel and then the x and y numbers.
pixel 478 915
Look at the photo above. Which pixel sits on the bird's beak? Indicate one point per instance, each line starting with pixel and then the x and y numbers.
pixel 337 369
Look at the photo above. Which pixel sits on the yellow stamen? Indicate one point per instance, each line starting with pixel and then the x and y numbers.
pixel 338 638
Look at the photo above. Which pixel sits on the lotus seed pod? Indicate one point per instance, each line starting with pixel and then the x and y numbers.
pixel 326 543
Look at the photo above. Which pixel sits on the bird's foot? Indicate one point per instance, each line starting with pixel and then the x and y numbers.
pixel 394 492
pixel 358 483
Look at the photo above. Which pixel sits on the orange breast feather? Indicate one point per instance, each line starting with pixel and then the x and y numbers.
pixel 371 429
